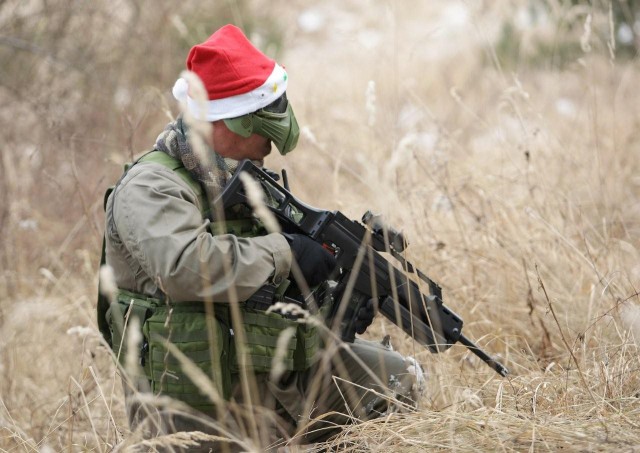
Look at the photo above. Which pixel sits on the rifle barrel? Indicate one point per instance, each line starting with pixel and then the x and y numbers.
pixel 486 358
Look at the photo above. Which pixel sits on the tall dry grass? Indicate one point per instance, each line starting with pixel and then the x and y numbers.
pixel 515 182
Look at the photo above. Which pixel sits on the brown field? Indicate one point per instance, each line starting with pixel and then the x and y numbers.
pixel 512 165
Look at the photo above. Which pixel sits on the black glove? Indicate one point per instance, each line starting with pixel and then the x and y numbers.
pixel 365 316
pixel 315 262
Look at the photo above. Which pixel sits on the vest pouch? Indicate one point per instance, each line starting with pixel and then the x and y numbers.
pixel 261 331
pixel 205 343
pixel 310 344
pixel 309 335
pixel 118 317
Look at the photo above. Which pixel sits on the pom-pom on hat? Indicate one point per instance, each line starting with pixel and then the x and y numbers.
pixel 238 78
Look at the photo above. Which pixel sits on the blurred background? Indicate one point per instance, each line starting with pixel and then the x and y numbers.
pixel 501 136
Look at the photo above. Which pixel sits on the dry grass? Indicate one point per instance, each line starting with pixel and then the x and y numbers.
pixel 517 186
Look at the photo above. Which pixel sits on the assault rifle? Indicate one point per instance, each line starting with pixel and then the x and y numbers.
pixel 362 271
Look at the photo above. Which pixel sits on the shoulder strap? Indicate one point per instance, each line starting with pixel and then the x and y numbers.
pixel 158 157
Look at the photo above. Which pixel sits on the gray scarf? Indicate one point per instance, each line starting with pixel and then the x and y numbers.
pixel 174 141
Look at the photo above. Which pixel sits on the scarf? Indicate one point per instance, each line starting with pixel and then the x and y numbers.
pixel 174 141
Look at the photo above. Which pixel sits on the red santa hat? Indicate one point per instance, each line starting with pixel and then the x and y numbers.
pixel 238 78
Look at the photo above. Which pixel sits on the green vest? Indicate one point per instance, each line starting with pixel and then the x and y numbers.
pixel 204 336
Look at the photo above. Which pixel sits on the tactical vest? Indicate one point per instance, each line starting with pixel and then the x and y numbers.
pixel 206 338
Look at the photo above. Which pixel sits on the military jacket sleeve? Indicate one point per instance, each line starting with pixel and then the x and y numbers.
pixel 158 240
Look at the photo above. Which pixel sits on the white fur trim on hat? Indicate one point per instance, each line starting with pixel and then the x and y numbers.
pixel 238 105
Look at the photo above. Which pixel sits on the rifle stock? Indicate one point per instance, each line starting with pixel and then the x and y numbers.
pixel 362 271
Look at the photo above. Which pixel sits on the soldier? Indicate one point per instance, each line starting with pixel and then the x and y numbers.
pixel 185 278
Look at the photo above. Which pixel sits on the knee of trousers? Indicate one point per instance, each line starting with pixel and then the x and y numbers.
pixel 404 376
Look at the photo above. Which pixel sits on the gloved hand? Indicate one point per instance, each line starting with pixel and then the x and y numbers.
pixel 365 316
pixel 314 261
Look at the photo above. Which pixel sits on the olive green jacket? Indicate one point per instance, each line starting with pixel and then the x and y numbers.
pixel 157 242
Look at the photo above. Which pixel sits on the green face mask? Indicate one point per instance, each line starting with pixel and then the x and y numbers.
pixel 275 122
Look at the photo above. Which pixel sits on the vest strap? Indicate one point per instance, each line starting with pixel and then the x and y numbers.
pixel 159 157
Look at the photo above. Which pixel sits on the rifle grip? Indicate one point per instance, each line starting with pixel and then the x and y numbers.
pixel 348 324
